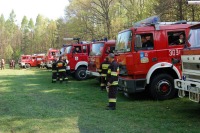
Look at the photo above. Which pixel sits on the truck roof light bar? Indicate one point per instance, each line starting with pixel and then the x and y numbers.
pixel 155 21
pixel 148 21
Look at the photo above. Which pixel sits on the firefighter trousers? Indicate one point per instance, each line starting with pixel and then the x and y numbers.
pixel 62 75
pixel 103 82
pixel 112 96
pixel 54 76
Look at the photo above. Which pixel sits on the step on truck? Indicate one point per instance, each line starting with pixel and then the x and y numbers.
pixel 145 53
pixel 99 51
pixel 77 56
pixel 189 83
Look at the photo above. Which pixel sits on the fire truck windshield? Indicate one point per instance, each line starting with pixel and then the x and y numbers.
pixel 65 50
pixel 123 43
pixel 194 38
pixel 97 49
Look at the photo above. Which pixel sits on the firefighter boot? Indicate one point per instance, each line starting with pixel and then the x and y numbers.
pixel 111 106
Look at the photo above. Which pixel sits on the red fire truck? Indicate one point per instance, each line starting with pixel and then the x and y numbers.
pixel 40 58
pixel 190 81
pixel 99 50
pixel 27 61
pixel 50 56
pixel 77 55
pixel 145 53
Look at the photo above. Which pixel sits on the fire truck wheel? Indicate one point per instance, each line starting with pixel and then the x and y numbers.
pixel 162 87
pixel 28 65
pixel 80 73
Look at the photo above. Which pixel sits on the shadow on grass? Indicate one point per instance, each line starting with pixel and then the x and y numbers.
pixel 31 103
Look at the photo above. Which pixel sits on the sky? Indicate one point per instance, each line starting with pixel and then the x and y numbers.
pixel 51 9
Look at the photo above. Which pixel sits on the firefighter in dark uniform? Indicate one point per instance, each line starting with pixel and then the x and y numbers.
pixel 66 63
pixel 61 66
pixel 54 71
pixel 113 72
pixel 103 72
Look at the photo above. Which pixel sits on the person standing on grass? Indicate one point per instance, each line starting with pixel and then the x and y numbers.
pixel 61 66
pixel 2 64
pixel 54 71
pixel 103 72
pixel 113 71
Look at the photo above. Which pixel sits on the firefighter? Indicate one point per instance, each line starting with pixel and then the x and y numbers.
pixel 103 72
pixel 61 66
pixel 54 71
pixel 66 63
pixel 113 72
pixel 2 64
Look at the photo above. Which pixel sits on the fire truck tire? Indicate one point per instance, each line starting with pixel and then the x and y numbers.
pixel 27 65
pixel 162 87
pixel 80 73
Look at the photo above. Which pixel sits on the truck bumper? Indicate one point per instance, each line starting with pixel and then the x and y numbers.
pixel 132 85
pixel 188 86
pixel 49 65
pixel 22 64
pixel 90 73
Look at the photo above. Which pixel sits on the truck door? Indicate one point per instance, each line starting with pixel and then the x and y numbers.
pixel 176 42
pixel 145 53
pixel 78 54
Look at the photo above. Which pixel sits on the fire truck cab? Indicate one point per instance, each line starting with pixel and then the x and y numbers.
pixel 99 50
pixel 190 80
pixel 77 55
pixel 145 53
pixel 51 55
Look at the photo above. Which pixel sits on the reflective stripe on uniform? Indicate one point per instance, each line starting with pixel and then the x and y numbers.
pixel 61 70
pixel 53 79
pixel 109 71
pixel 107 88
pixel 112 100
pixel 102 84
pixel 105 66
pixel 99 70
pixel 53 71
pixel 103 75
pixel 66 78
pixel 114 73
pixel 59 64
pixel 115 83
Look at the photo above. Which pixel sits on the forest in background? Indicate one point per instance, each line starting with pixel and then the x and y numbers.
pixel 86 19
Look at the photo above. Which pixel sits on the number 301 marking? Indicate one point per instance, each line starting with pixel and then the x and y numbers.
pixel 174 52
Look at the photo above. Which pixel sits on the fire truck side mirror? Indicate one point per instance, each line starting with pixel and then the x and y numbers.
pixel 175 61
pixel 138 42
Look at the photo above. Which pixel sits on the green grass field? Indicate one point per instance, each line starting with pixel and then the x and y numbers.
pixel 30 103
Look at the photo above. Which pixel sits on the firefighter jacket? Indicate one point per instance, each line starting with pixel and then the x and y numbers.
pixel 104 68
pixel 61 66
pixel 54 67
pixel 113 72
